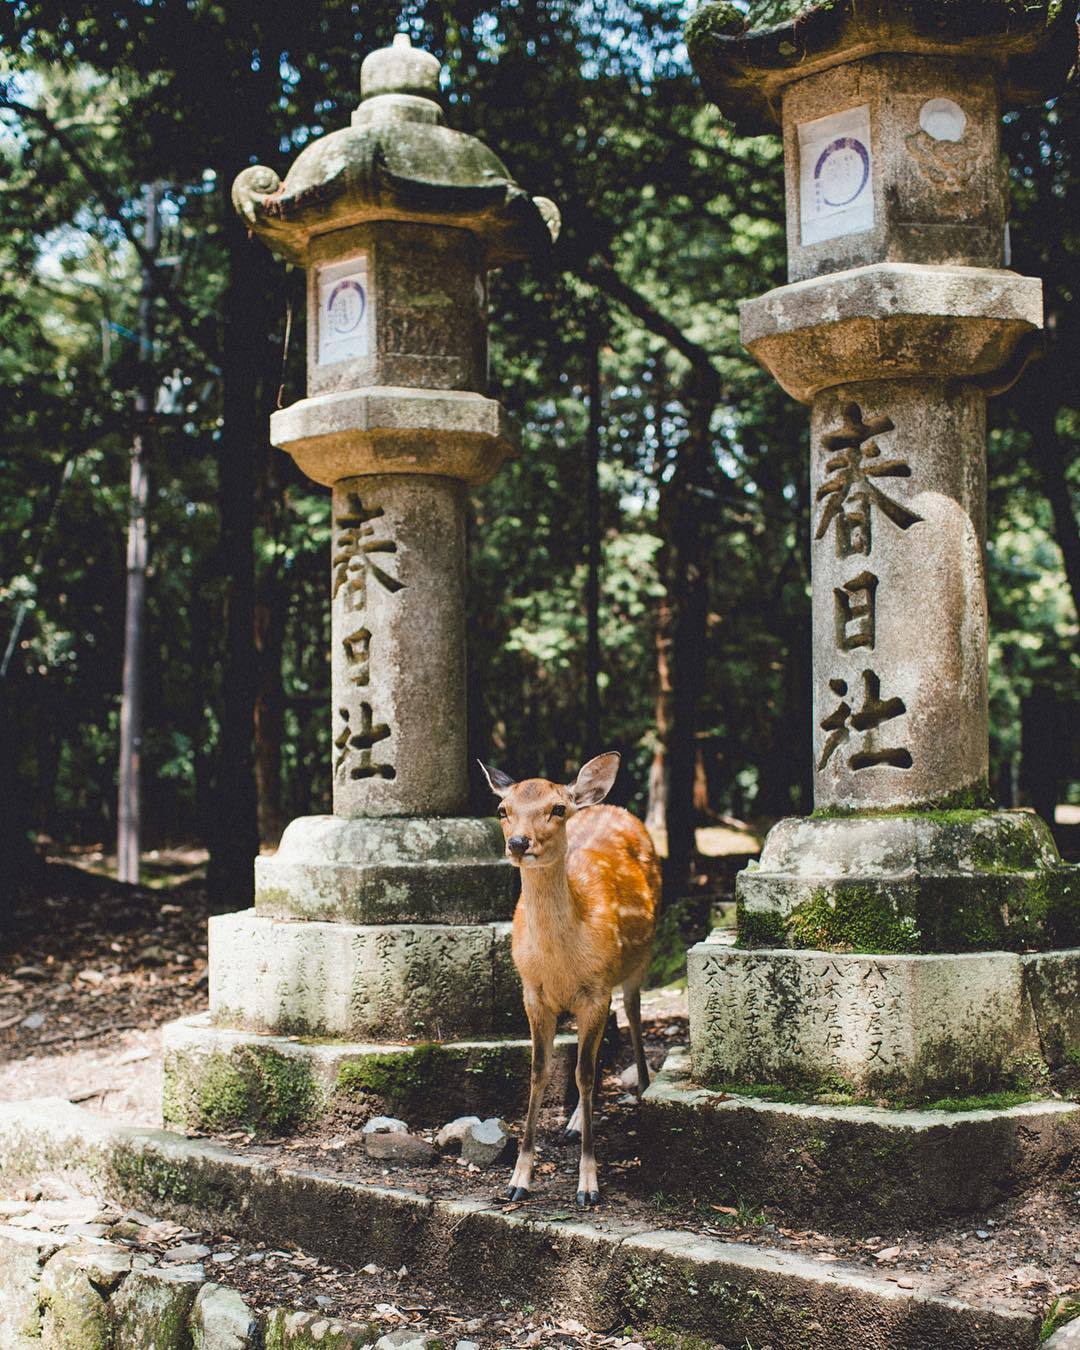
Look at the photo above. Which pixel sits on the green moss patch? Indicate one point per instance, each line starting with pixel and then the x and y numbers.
pixel 406 1081
pixel 842 918
pixel 835 1091
pixel 252 1088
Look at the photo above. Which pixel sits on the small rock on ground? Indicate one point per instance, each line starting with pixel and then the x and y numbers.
pixel 385 1125
pixel 487 1143
pixel 628 1077
pixel 221 1320
pixel 399 1148
pixel 450 1136
pixel 405 1339
pixel 186 1253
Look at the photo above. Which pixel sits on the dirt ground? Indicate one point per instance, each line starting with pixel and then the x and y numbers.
pixel 89 974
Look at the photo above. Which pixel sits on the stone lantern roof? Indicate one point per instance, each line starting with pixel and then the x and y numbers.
pixel 396 162
pixel 744 70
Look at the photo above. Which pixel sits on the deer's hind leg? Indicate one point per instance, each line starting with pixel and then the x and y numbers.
pixel 542 1027
pixel 573 1125
pixel 632 1004
pixel 591 1019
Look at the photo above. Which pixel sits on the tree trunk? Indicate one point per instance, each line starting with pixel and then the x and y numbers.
pixel 656 815
pixel 129 803
pixel 592 528
pixel 1050 457
pixel 688 596
pixel 235 836
pixel 270 608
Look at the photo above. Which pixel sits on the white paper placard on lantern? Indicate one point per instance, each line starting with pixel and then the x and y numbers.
pixel 344 310
pixel 836 194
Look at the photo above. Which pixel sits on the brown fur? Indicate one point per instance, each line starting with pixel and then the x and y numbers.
pixel 590 889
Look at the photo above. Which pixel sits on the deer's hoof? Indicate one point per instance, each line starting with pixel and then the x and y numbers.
pixel 517 1193
pixel 572 1134
pixel 587 1199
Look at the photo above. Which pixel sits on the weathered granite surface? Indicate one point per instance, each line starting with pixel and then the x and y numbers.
pixel 847 1167
pixel 911 882
pixel 219 1078
pixel 1030 45
pixel 909 1026
pixel 403 982
pixel 892 321
pixel 396 162
pixel 604 1273
pixel 395 431
pixel 417 869
pixel 397 665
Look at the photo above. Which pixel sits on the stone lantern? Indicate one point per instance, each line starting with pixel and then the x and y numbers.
pixel 387 920
pixel 882 940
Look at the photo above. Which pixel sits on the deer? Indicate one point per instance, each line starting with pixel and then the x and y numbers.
pixel 590 889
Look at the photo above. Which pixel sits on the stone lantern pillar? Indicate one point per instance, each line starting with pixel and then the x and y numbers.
pixel 900 319
pixel 387 920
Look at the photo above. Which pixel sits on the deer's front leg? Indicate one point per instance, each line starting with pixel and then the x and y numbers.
pixel 542 1027
pixel 591 1019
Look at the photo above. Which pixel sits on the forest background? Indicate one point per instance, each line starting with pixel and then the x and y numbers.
pixel 638 577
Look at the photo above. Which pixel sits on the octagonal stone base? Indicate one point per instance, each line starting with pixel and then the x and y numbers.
pixel 846 1167
pixel 363 981
pixel 387 870
pixel 909 1027
pixel 946 881
pixel 388 429
pixel 216 1079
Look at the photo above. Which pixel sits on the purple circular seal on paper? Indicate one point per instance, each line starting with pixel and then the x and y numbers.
pixel 345 306
pixel 837 147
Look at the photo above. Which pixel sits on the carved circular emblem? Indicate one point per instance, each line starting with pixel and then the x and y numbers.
pixel 842 171
pixel 942 119
pixel 345 306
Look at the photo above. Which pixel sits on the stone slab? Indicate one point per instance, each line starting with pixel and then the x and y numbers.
pixel 890 321
pixel 23 1255
pixel 363 981
pixel 900 1025
pixel 387 870
pixel 396 430
pixel 217 1079
pixel 848 1167
pixel 604 1272
pixel 919 882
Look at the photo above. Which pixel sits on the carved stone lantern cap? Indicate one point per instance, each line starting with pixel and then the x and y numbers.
pixel 396 162
pixel 744 70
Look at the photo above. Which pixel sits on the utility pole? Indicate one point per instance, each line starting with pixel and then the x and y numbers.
pixel 592 527
pixel 129 812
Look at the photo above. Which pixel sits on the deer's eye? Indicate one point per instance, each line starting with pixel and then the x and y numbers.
pixel 503 813
pixel 558 811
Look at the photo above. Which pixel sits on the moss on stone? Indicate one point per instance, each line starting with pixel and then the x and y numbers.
pixel 1064 1311
pixel 251 1087
pixel 960 807
pixel 852 919
pixel 759 927
pixel 403 1080
pixel 828 1091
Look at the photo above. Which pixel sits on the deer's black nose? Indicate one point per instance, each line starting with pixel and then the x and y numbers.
pixel 518 844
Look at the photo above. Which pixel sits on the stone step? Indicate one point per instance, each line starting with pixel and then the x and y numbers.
pixel 60 1293
pixel 218 1078
pixel 601 1271
pixel 842 1167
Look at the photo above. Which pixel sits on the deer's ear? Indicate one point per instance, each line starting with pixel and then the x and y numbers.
pixel 595 779
pixel 500 783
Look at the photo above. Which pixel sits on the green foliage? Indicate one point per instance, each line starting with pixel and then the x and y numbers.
pixel 602 114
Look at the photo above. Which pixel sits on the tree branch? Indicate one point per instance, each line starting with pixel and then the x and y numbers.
pixel 111 200
pixel 601 274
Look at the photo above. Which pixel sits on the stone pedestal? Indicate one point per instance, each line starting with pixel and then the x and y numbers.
pixel 385 925
pixel 888 931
